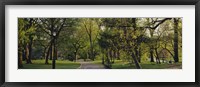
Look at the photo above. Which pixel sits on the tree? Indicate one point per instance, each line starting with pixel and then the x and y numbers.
pixel 90 27
pixel 104 43
pixel 171 38
pixel 54 26
pixel 26 36
pixel 77 41
pixel 131 40
pixel 152 25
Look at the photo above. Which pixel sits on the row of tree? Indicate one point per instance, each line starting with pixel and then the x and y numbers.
pixel 133 36
pixel 133 40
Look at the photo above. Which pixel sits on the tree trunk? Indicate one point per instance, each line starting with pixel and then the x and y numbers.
pixel 151 55
pixel 157 57
pixel 53 54
pixel 135 54
pixel 107 61
pixel 44 53
pixel 20 55
pixel 23 55
pixel 176 59
pixel 27 54
pixel 103 59
pixel 48 53
pixel 139 55
pixel 118 54
pixel 102 51
pixel 30 50
pixel 91 49
pixel 75 56
pixel 136 61
pixel 114 55
pixel 110 54
pixel 51 51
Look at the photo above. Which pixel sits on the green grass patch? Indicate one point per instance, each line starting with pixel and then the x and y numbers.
pixel 60 64
pixel 119 64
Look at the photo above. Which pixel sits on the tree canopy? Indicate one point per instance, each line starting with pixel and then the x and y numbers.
pixel 134 41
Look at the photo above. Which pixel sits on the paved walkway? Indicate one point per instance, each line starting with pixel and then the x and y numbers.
pixel 90 65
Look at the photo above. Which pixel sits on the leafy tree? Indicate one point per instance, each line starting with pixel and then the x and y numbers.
pixel 26 28
pixel 91 28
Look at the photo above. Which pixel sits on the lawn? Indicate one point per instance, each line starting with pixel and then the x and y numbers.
pixel 146 65
pixel 60 64
pixel 119 64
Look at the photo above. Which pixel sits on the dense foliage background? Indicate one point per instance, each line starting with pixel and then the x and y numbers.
pixel 113 42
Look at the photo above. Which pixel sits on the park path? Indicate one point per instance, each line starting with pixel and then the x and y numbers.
pixel 90 65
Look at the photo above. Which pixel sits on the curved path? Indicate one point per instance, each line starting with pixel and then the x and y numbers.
pixel 90 65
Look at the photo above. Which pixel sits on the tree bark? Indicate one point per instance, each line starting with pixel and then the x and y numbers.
pixel 91 49
pixel 51 51
pixel 110 54
pixel 136 61
pixel 30 50
pixel 176 59
pixel 107 61
pixel 48 52
pixel 151 55
pixel 44 53
pixel 118 54
pixel 139 55
pixel 157 57
pixel 23 55
pixel 20 55
pixel 27 53
pixel 103 58
pixel 135 54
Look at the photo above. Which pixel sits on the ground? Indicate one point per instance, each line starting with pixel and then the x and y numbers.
pixel 145 65
pixel 80 64
pixel 60 64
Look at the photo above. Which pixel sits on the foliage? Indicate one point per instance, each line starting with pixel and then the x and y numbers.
pixel 132 41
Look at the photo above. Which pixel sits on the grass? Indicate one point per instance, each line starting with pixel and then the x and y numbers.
pixel 145 65
pixel 60 64
pixel 119 64
pixel 162 66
